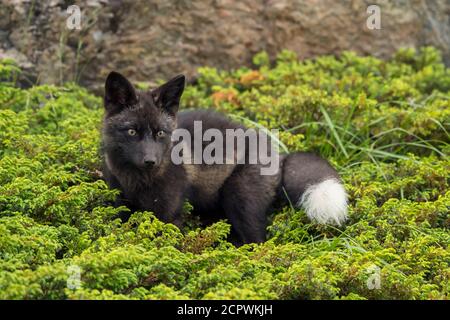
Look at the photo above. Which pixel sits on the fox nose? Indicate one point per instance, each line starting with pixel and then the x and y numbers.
pixel 149 162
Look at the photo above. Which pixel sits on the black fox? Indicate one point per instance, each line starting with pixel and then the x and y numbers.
pixel 137 147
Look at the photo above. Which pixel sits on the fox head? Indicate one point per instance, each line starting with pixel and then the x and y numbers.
pixel 138 124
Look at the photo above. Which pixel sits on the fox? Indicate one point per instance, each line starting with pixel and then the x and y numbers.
pixel 136 147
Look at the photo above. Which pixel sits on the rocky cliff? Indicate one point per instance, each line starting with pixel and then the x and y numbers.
pixel 147 40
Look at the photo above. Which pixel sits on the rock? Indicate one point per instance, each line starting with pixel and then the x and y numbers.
pixel 157 39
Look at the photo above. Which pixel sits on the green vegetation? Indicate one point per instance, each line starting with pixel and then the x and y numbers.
pixel 384 124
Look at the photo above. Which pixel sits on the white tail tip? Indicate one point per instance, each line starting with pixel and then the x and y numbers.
pixel 325 202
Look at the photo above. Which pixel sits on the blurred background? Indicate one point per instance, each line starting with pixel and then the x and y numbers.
pixel 149 40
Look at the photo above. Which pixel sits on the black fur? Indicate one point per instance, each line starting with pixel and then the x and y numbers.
pixel 140 164
pixel 302 169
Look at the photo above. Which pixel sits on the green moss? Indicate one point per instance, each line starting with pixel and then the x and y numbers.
pixel 384 124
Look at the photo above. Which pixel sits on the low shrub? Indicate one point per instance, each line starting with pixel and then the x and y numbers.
pixel 383 124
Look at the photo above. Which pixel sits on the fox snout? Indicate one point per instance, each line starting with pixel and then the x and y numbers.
pixel 147 161
pixel 149 156
pixel 150 160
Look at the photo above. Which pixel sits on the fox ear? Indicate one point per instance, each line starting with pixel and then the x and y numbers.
pixel 119 93
pixel 167 96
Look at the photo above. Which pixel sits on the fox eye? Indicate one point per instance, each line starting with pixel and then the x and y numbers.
pixel 131 132
pixel 160 134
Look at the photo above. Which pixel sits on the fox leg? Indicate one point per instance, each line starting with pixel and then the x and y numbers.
pixel 246 197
